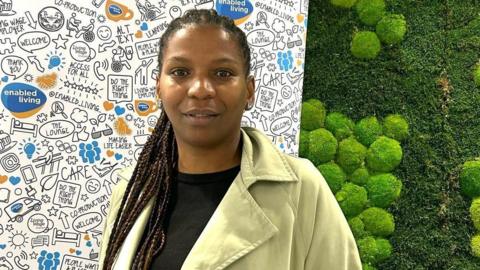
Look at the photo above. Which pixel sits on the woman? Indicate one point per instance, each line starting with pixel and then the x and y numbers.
pixel 214 195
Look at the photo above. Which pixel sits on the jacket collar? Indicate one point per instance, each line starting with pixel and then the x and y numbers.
pixel 238 225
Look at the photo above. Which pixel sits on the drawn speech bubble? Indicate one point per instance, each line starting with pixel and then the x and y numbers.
pixel 14 66
pixel 33 41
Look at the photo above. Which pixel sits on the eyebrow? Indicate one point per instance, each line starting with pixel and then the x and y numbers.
pixel 219 60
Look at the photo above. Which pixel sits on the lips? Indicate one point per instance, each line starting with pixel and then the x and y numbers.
pixel 201 113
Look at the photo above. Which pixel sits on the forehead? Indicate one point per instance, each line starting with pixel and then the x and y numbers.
pixel 202 42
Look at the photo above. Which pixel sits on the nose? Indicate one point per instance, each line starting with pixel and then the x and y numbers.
pixel 201 88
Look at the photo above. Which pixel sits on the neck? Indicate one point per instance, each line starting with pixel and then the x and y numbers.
pixel 193 159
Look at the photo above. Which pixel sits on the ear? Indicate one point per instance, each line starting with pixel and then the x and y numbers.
pixel 251 89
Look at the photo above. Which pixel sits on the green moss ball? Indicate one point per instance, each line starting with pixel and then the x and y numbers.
pixel 351 154
pixel 304 142
pixel 475 245
pixel 370 11
pixel 365 45
pixel 470 178
pixel 339 124
pixel 322 146
pixel 313 115
pixel 377 221
pixel 383 189
pixel 475 212
pixel 352 199
pixel 384 249
pixel 360 176
pixel 343 3
pixel 384 154
pixel 373 250
pixel 476 74
pixel 357 227
pixel 391 29
pixel 333 174
pixel 366 266
pixel 395 127
pixel 367 130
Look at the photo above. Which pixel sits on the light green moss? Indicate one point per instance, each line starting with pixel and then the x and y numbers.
pixel 313 115
pixel 475 212
pixel 333 174
pixel 475 245
pixel 343 3
pixel 470 178
pixel 304 142
pixel 322 146
pixel 395 127
pixel 384 154
pixel 357 227
pixel 365 45
pixel 370 11
pixel 373 250
pixel 367 130
pixel 340 125
pixel 352 199
pixel 377 221
pixel 383 189
pixel 391 29
pixel 351 154
pixel 360 176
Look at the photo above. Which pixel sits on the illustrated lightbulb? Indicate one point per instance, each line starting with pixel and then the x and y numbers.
pixel 29 149
pixel 54 62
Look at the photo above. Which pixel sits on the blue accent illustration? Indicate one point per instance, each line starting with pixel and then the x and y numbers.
pixel 90 152
pixel 22 98
pixel 29 149
pixel 48 260
pixel 237 11
pixel 285 60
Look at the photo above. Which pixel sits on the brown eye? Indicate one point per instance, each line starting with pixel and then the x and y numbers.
pixel 179 72
pixel 224 73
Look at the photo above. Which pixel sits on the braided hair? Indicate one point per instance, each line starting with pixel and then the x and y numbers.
pixel 154 173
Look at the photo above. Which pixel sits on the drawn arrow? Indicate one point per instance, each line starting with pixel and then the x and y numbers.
pixel 34 61
pixel 31 20
pixel 108 186
pixel 63 217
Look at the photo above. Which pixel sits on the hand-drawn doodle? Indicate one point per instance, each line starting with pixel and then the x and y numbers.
pixel 104 32
pixel 120 58
pixel 6 8
pixel 6 142
pixel 60 42
pixel 51 19
pixel 33 41
pixel 80 51
pixel 94 66
pixel 21 207
pixel 6 46
pixel 149 12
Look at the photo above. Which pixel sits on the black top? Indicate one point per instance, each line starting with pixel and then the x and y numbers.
pixel 193 201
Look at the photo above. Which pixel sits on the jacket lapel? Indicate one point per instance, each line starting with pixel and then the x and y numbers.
pixel 239 225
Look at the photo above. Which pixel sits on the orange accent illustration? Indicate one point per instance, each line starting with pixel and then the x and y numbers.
pixel 107 105
pixel 139 34
pixel 3 179
pixel 110 153
pixel 47 81
pixel 116 11
pixel 122 127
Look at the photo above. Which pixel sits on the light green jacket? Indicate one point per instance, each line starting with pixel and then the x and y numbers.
pixel 278 214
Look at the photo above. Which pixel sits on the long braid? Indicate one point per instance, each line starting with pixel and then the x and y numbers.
pixel 154 173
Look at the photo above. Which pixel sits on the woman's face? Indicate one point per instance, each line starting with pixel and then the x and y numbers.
pixel 203 86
